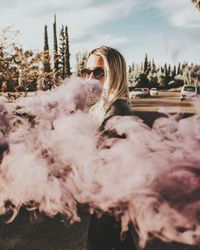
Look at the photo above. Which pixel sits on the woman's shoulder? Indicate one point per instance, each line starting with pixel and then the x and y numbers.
pixel 119 107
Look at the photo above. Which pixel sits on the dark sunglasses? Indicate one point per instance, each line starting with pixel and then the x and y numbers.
pixel 98 72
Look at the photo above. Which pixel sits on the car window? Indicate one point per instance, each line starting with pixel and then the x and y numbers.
pixel 190 88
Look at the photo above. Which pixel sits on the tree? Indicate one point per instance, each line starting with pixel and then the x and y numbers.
pixel 161 78
pixel 8 73
pixel 141 80
pixel 46 55
pixel 46 80
pixel 153 66
pixel 195 75
pixel 153 79
pixel 67 53
pixel 191 75
pixel 129 69
pixel 174 72
pixel 64 55
pixel 167 76
pixel 146 63
pixel 55 49
pixel 81 59
pixel 3 64
pixel 133 67
pixel 169 70
pixel 62 59
pixel 149 67
pixel 28 67
pixel 179 69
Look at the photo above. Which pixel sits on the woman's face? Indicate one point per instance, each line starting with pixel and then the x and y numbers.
pixel 95 68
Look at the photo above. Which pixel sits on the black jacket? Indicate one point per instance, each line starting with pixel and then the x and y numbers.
pixel 119 107
pixel 104 232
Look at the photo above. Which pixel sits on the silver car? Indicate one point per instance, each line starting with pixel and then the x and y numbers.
pixel 136 92
pixel 153 91
pixel 188 91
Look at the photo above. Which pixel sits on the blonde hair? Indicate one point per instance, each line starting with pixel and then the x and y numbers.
pixel 115 85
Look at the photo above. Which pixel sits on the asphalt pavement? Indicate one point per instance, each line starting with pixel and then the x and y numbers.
pixel 43 233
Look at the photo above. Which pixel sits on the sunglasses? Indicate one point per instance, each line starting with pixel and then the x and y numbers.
pixel 98 72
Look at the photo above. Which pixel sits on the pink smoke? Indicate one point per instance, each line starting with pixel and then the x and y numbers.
pixel 57 159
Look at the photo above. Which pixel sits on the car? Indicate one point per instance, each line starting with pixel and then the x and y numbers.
pixel 188 91
pixel 153 91
pixel 146 92
pixel 136 92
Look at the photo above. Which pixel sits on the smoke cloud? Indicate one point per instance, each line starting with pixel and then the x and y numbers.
pixel 53 158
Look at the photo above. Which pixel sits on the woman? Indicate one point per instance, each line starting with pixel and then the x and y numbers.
pixel 108 66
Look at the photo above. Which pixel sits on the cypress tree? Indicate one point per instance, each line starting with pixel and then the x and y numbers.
pixel 169 70
pixel 46 44
pixel 166 72
pixel 146 63
pixel 55 48
pixel 67 53
pixel 129 69
pixel 46 55
pixel 179 69
pixel 149 67
pixel 165 69
pixel 133 66
pixel 174 72
pixel 62 61
pixel 2 65
pixel 46 81
pixel 153 66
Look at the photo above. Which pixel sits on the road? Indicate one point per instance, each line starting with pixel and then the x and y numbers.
pixel 165 100
pixel 43 233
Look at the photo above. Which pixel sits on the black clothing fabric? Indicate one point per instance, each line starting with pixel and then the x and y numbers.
pixel 119 107
pixel 104 232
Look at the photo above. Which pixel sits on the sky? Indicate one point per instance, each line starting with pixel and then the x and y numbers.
pixel 167 30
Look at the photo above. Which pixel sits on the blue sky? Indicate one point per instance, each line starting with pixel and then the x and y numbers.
pixel 167 30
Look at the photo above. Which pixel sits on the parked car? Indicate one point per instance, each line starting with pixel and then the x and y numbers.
pixel 153 91
pixel 146 92
pixel 136 92
pixel 131 88
pixel 188 91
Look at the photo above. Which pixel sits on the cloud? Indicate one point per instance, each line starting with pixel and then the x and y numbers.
pixel 82 17
pixel 86 21
pixel 45 7
pixel 92 23
pixel 88 17
pixel 9 4
pixel 99 40
pixel 95 41
pixel 180 38
pixel 180 13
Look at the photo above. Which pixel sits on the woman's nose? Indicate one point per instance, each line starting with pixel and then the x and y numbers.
pixel 91 76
